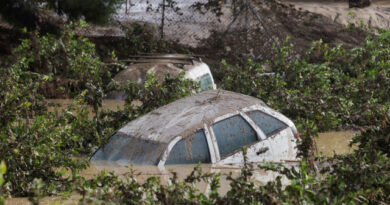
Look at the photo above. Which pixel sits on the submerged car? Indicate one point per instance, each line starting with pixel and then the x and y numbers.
pixel 209 127
pixel 161 64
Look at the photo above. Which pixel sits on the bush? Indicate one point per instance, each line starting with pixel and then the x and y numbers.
pixel 37 145
pixel 32 139
pixel 3 169
pixel 332 87
pixel 361 177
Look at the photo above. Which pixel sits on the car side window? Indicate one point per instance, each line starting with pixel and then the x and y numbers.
pixel 191 150
pixel 206 83
pixel 267 123
pixel 232 134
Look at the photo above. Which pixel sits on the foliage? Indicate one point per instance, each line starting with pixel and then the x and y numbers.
pixel 361 177
pixel 377 138
pixel 108 188
pixel 29 13
pixel 68 56
pixel 3 169
pixel 325 89
pixel 68 63
pixel 31 139
pixel 143 98
pixel 139 38
pixel 39 145
pixel 332 87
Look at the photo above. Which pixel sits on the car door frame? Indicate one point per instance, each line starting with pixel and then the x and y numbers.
pixel 259 133
pixel 212 141
pixel 171 145
pixel 279 116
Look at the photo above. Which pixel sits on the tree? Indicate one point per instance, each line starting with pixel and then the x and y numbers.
pixel 31 13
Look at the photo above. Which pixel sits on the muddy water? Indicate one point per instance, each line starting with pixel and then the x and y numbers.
pixel 73 199
pixel 106 104
pixel 337 142
pixel 141 173
pixel 327 143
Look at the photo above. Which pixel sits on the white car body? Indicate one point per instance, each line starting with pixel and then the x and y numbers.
pixel 209 121
pixel 161 64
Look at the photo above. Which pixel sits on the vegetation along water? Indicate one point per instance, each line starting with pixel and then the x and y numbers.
pixel 326 88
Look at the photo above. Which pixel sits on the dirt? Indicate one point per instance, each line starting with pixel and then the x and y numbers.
pixel 302 21
pixel 337 142
pixel 190 114
pixel 375 15
pixel 282 19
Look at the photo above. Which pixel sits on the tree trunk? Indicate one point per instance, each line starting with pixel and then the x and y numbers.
pixel 359 3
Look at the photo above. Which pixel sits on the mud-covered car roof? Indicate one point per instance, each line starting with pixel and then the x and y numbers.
pixel 159 64
pixel 184 116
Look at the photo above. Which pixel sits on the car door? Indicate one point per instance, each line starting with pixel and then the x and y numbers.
pixel 264 143
pixel 282 144
pixel 189 150
pixel 230 133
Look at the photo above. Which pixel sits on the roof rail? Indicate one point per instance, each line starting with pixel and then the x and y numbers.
pixel 164 58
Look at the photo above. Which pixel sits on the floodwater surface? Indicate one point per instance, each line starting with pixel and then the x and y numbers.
pixel 106 104
pixel 337 141
pixel 327 144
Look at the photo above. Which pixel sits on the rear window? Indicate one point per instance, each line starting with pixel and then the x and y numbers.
pixel 267 123
pixel 131 150
pixel 190 150
pixel 232 134
pixel 206 82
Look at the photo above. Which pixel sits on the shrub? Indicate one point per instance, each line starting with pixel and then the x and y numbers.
pixel 332 87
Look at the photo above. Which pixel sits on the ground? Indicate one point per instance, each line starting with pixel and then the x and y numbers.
pixel 300 20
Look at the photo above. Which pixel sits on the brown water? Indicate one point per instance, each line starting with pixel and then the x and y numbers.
pixel 327 143
pixel 141 173
pixel 338 142
pixel 106 104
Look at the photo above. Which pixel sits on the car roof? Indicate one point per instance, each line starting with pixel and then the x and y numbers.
pixel 183 117
pixel 159 64
pixel 137 72
pixel 184 59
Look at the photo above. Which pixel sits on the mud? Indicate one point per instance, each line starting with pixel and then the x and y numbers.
pixel 106 104
pixel 138 72
pixel 376 15
pixel 338 142
pixel 141 173
pixel 187 114
pixel 326 143
pixel 283 20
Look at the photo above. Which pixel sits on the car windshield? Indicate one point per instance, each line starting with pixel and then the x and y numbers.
pixel 206 83
pixel 130 150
